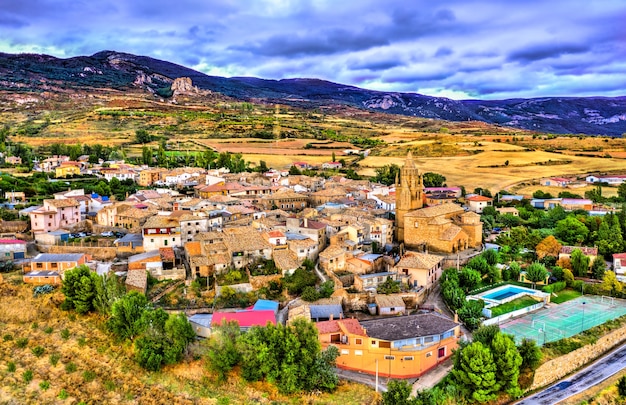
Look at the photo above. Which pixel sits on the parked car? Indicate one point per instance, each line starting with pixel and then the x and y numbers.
pixel 107 234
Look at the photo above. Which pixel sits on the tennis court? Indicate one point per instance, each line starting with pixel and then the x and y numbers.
pixel 564 320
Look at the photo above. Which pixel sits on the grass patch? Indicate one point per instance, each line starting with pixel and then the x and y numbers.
pixel 518 303
pixel 564 295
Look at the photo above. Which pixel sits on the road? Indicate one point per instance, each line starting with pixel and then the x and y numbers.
pixel 595 373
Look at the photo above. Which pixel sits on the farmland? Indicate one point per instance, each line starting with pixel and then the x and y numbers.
pixel 472 154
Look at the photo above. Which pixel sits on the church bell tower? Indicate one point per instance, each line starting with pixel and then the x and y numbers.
pixel 409 193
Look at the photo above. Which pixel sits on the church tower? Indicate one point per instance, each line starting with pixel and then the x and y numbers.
pixel 409 194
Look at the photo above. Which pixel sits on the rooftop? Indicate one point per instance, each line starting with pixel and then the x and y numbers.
pixel 443 209
pixel 414 260
pixel 407 327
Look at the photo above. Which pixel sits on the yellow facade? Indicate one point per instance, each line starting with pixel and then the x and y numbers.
pixel 65 171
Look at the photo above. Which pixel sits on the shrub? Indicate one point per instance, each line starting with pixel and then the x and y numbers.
pixel 70 367
pixel 48 330
pixel 81 341
pixel 109 385
pixel 27 375
pixel 35 325
pixel 65 334
pixel 54 358
pixel 555 287
pixel 44 385
pixel 63 394
pixel 7 337
pixel 89 376
pixel 11 367
pixel 21 342
pixel 621 386
pixel 37 351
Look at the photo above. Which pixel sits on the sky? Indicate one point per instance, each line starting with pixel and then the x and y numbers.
pixel 482 49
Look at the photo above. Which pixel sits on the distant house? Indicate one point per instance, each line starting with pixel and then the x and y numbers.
pixel 422 269
pixel 390 304
pixel 508 211
pixel 619 266
pixel 591 252
pixel 55 214
pixel 332 165
pixel 555 182
pixel 42 277
pixel 137 280
pixel 56 262
pixel 477 203
pixel 245 319
pixel 12 249
pixel 372 281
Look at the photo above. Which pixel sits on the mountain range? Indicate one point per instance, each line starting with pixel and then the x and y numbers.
pixel 109 69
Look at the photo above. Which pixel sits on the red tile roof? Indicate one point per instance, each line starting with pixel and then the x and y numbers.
pixel 352 326
pixel 478 198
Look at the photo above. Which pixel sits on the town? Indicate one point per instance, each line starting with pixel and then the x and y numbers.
pixel 395 276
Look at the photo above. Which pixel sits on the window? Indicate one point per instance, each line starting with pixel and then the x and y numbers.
pixel 390 357
pixel 165 242
pixel 408 358
pixel 53 265
pixel 384 345
pixel 429 354
pixel 345 351
pixel 373 343
pixel 39 265
pixel 358 341
pixel 358 352
pixel 441 352
pixel 416 224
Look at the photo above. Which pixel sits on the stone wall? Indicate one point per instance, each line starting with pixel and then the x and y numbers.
pixel 558 368
pixel 97 253
pixel 262 281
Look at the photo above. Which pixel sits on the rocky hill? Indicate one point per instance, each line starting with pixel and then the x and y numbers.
pixel 108 69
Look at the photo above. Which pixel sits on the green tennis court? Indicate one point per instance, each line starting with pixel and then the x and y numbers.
pixel 558 321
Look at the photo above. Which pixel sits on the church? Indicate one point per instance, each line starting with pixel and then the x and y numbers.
pixel 445 228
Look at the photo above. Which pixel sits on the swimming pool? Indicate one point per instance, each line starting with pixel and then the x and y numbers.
pixel 509 291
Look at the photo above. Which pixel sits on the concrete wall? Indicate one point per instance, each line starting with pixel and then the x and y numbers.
pixel 558 368
pixel 98 253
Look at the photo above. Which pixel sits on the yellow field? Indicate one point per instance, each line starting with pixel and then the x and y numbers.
pixel 470 171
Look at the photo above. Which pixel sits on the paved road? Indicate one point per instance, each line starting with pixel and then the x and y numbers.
pixel 581 381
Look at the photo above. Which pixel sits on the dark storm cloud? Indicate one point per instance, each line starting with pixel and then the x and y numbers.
pixel 459 48
pixel 546 50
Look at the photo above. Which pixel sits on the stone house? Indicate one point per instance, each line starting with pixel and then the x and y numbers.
pixel 422 269
pixel 55 214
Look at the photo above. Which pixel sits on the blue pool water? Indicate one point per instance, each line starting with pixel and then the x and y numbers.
pixel 504 293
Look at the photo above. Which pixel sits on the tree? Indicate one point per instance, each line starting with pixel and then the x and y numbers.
pixel 580 263
pixel 621 385
pixel 310 294
pixel 142 136
pixel 476 372
pixel 549 246
pixel 398 393
pixel 491 256
pixel 536 272
pixel 79 287
pixel 621 191
pixel 386 174
pixel 598 268
pixel 610 284
pixel 568 277
pixel 531 354
pixel 431 179
pixel 471 313
pixel 485 334
pixel 294 171
pixel 514 270
pixel 469 279
pixel 179 333
pixel 108 290
pixel 571 231
pixel 508 361
pixel 262 168
pixel 389 286
pixel 127 320
pixel 479 263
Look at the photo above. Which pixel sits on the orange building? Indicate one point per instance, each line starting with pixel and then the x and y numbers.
pixel 398 347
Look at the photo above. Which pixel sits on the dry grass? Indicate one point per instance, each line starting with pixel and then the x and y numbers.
pixel 118 379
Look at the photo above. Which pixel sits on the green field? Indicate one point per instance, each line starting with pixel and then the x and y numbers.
pixel 511 306
pixel 563 296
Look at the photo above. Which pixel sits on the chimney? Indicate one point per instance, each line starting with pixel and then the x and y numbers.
pixel 306 222
pixel 456 318
pixel 331 317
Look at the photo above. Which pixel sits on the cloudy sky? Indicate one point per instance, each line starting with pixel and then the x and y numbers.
pixel 487 49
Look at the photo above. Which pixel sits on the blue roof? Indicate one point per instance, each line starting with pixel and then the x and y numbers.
pixel 325 311
pixel 202 319
pixel 374 275
pixel 59 232
pixel 295 236
pixel 265 305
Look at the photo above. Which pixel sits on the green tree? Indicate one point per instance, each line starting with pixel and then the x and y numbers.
pixel 222 353
pixel 142 136
pixel 178 333
pixel 398 393
pixel 485 334
pixel 621 191
pixel 294 171
pixel 475 372
pixel 508 362
pixel 431 179
pixel 536 272
pixel 471 313
pixel 387 174
pixel 310 294
pixel 571 231
pixel 469 279
pixel 146 155
pixel 262 168
pixel 621 385
pixel 610 284
pixel 79 287
pixel 127 315
pixel 580 263
pixel 491 257
pixel 108 290
pixel 568 277
pixel 479 263
pixel 598 268
pixel 531 354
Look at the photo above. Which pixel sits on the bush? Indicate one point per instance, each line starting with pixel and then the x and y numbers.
pixel 70 367
pixel 555 287
pixel 65 334
pixel 89 376
pixel 11 367
pixel 37 351
pixel 44 385
pixel 621 386
pixel 63 394
pixel 48 330
pixel 21 342
pixel 54 358
pixel 7 337
pixel 27 375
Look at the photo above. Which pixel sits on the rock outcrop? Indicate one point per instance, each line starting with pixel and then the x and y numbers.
pixel 183 85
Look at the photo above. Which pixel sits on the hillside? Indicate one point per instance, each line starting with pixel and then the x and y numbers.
pixel 114 70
